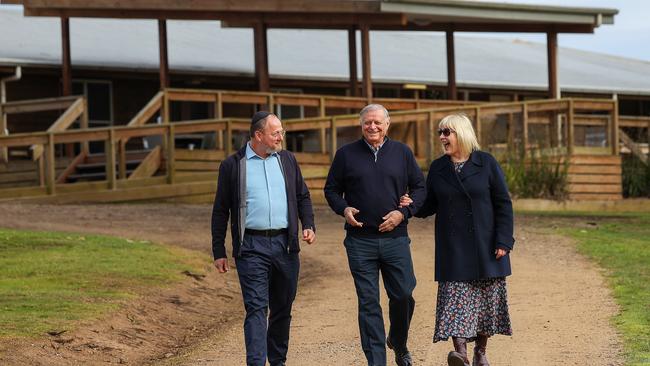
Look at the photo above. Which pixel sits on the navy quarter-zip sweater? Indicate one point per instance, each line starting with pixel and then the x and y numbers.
pixel 374 187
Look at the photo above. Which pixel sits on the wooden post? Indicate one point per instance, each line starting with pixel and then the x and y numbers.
pixel 109 152
pixel 614 130
pixel 218 106
pixel 41 171
pixel 261 57
pixel 479 129
pixel 165 109
pixel 218 114
pixel 271 103
pixel 165 117
pixel 164 60
pixel 551 49
pixel 333 142
pixel 352 55
pixel 228 137
pixel 65 57
pixel 66 79
pixel 171 166
pixel 524 120
pixel 84 124
pixel 417 146
pixel 323 131
pixel 50 165
pixel 570 129
pixel 321 107
pixel 122 159
pixel 365 62
pixel 4 151
pixel 431 138
pixel 451 67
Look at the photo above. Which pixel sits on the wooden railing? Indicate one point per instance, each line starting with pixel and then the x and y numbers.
pixel 498 126
pixel 321 102
pixel 159 106
pixel 602 113
pixel 74 107
pixel 630 122
pixel 74 111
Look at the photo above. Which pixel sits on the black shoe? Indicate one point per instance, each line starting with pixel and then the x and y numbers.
pixel 402 357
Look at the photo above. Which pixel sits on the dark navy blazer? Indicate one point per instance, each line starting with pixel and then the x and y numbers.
pixel 473 217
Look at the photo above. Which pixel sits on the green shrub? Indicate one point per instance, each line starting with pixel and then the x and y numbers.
pixel 535 175
pixel 636 177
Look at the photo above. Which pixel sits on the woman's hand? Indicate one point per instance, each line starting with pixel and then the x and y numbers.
pixel 405 200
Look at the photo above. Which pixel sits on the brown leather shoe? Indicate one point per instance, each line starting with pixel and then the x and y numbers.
pixel 459 356
pixel 480 358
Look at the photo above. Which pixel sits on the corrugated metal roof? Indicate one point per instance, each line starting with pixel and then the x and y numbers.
pixel 205 47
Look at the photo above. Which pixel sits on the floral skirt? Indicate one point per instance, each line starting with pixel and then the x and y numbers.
pixel 468 308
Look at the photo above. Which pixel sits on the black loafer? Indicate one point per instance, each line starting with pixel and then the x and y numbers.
pixel 402 357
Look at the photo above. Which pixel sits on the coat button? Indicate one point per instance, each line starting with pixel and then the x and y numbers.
pixel 471 230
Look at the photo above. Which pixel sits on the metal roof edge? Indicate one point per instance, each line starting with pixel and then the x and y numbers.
pixel 507 5
pixel 501 11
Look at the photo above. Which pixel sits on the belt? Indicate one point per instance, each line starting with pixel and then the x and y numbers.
pixel 269 232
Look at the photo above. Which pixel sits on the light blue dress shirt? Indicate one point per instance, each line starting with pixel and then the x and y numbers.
pixel 266 194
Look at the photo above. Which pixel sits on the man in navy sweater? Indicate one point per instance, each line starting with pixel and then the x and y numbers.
pixel 364 184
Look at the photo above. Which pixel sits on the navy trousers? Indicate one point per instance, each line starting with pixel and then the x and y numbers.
pixel 268 276
pixel 392 257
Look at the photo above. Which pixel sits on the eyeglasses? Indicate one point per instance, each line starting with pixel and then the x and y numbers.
pixel 277 134
pixel 445 131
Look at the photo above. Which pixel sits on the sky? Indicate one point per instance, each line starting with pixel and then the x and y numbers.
pixel 629 36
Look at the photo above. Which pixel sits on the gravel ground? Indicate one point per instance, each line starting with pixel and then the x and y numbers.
pixel 560 306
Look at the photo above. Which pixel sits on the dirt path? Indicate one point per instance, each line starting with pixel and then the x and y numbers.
pixel 559 304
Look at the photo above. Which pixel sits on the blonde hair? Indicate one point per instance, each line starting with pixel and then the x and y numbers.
pixel 465 135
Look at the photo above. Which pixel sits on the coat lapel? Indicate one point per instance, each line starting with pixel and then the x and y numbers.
pixel 472 167
pixel 446 171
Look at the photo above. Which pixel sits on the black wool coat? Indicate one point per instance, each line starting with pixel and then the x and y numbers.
pixel 473 217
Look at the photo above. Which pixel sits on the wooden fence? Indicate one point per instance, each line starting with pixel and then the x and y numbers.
pixel 167 171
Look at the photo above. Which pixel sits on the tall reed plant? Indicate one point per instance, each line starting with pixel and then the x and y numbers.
pixel 536 174
pixel 636 177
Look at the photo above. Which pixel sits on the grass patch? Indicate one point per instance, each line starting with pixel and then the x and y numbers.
pixel 49 280
pixel 622 246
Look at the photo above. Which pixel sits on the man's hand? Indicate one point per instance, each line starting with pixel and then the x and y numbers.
pixel 349 213
pixel 500 253
pixel 222 265
pixel 392 219
pixel 308 235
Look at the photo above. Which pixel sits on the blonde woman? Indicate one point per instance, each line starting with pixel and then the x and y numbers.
pixel 467 192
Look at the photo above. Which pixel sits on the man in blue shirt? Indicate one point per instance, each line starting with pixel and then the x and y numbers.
pixel 262 191
pixel 364 184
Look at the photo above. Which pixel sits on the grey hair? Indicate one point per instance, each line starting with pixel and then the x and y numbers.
pixel 373 107
pixel 259 125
